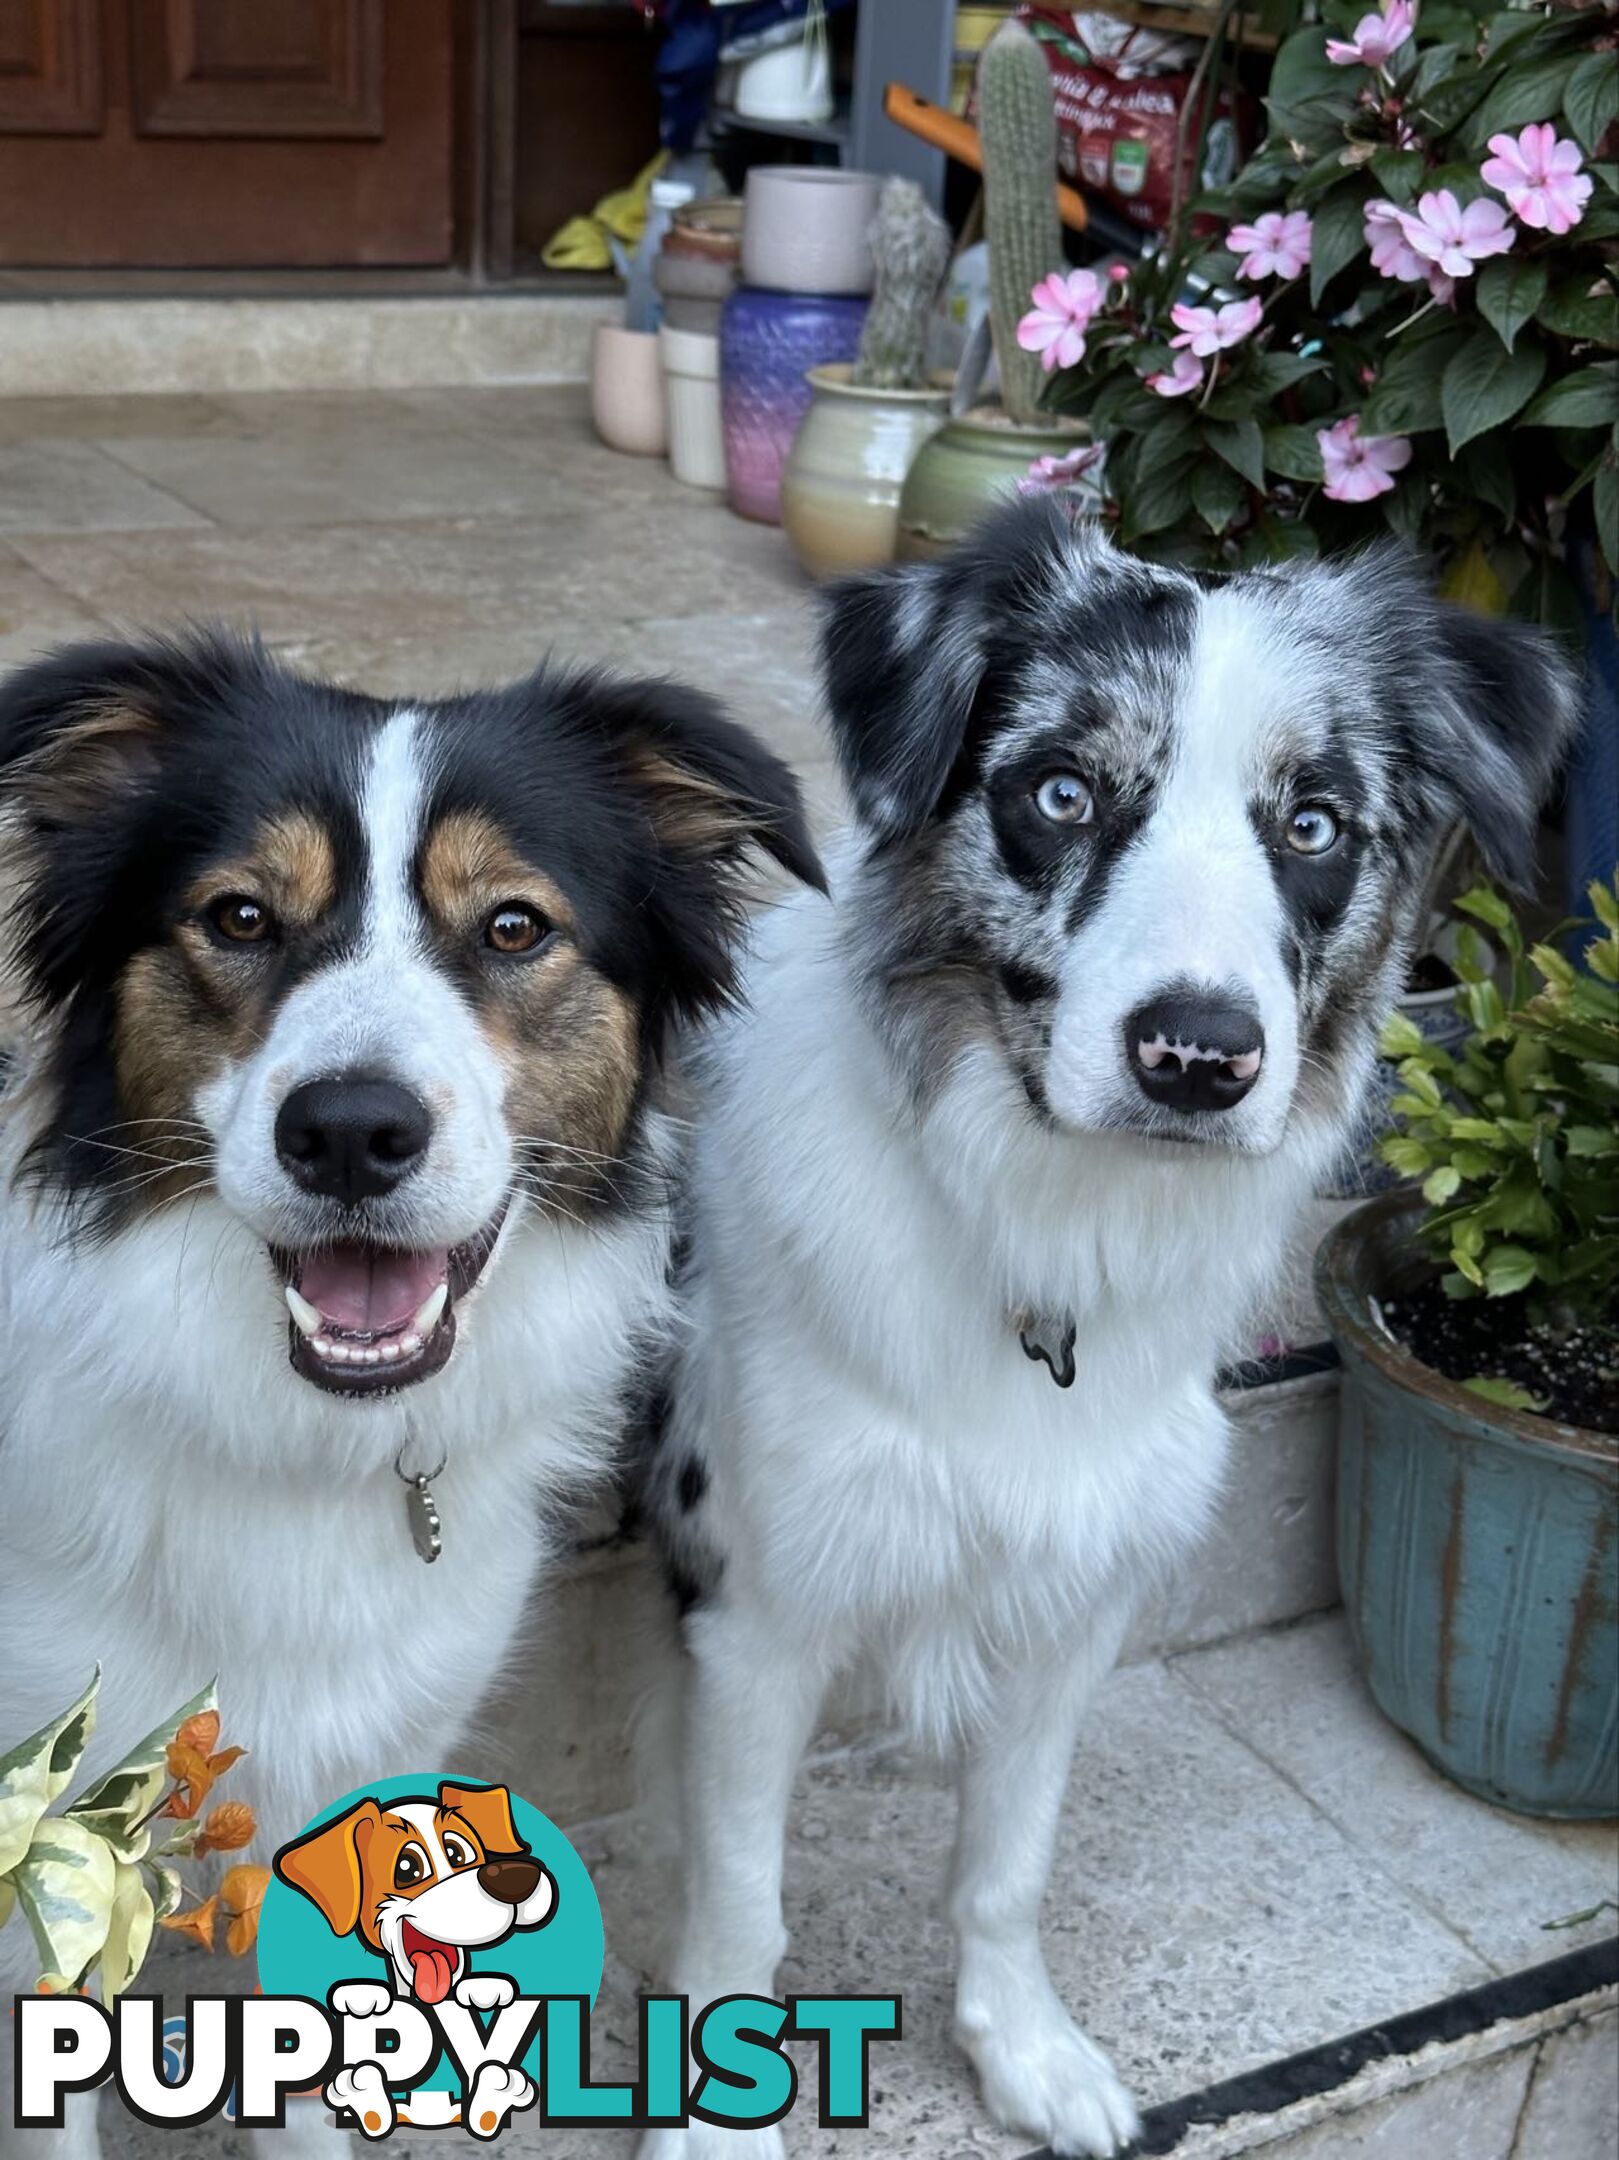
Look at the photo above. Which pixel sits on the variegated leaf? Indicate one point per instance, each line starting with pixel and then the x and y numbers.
pixel 65 1886
pixel 129 1936
pixel 166 1887
pixel 117 1803
pixel 38 1770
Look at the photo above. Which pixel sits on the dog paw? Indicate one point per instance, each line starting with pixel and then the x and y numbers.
pixel 485 1991
pixel 363 2094
pixel 361 1999
pixel 496 2093
pixel 1049 2080
pixel 706 2141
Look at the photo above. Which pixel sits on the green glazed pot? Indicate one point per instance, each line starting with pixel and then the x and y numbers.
pixel 970 465
pixel 840 491
pixel 1478 1551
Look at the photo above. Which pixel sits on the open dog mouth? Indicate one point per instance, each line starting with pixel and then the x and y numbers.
pixel 371 1319
pixel 433 1964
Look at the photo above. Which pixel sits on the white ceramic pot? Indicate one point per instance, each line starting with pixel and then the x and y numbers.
pixel 790 82
pixel 626 390
pixel 840 492
pixel 805 227
pixel 691 381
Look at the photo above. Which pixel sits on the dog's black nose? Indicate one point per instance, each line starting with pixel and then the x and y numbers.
pixel 510 1878
pixel 352 1137
pixel 1192 1050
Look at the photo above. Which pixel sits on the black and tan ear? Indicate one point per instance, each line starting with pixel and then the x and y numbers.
pixel 906 653
pixel 327 1865
pixel 1507 716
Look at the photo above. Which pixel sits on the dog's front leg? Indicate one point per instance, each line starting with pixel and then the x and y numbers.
pixel 1040 2074
pixel 750 1702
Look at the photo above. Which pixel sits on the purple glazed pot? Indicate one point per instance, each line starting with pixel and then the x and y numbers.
pixel 769 341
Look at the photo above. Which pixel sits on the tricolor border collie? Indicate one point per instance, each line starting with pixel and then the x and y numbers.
pixel 998 1155
pixel 333 1198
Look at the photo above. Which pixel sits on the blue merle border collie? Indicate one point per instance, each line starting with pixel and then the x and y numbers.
pixel 999 1153
pixel 330 1159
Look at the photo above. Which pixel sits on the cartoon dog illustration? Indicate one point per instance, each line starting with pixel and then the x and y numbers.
pixel 423 1881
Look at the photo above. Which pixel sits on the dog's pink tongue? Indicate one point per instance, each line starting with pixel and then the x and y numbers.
pixel 364 1289
pixel 434 1969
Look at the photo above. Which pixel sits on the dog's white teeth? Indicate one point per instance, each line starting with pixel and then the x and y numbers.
pixel 388 1351
pixel 304 1315
pixel 431 1312
pixel 339 1353
pixel 409 1344
pixel 369 1357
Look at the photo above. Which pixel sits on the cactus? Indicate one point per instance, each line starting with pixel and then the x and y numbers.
pixel 1017 122
pixel 910 244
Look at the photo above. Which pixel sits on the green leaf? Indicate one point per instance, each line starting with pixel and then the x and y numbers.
pixel 1584 308
pixel 1443 1184
pixel 1484 470
pixel 1483 387
pixel 1242 446
pixel 1532 91
pixel 129 1932
pixel 1401 1037
pixel 1294 453
pixel 1591 99
pixel 1405 398
pixel 1275 371
pixel 65 1885
pixel 1399 173
pixel 1218 494
pixel 1485 905
pixel 1507 1270
pixel 1587 398
pixel 1409 1157
pixel 38 1770
pixel 116 1804
pixel 1509 293
pixel 1157 502
pixel 1338 236
pixel 1505 1393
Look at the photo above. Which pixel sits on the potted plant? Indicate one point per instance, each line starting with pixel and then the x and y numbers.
pixel 1478 1480
pixel 840 492
pixel 1404 320
pixel 982 454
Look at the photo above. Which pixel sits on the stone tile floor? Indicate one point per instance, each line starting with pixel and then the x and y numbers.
pixel 1251 1860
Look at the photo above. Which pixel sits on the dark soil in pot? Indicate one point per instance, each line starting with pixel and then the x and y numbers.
pixel 1572 1373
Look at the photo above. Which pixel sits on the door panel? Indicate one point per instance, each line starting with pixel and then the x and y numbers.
pixel 50 67
pixel 237 67
pixel 234 134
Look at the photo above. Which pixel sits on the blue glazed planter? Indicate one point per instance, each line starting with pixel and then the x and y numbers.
pixel 1478 1553
pixel 769 341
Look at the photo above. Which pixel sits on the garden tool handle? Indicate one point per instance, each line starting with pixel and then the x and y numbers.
pixel 958 139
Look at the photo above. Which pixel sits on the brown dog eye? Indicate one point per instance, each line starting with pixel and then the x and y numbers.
pixel 410 1868
pixel 243 921
pixel 515 928
pixel 458 1855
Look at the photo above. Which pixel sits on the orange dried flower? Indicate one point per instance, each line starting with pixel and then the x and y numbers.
pixel 241 1894
pixel 200 1732
pixel 194 1773
pixel 229 1827
pixel 198 1923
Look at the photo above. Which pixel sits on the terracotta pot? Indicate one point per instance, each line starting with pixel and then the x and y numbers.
pixel 840 492
pixel 1476 1551
pixel 768 343
pixel 804 229
pixel 626 390
pixel 969 465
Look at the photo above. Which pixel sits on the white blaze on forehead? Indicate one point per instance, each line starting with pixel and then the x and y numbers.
pixel 392 809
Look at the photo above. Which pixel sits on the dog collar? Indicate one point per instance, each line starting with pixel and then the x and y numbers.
pixel 421 1509
pixel 1048 1339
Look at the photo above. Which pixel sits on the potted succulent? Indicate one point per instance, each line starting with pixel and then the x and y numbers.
pixel 984 453
pixel 1400 315
pixel 1478 1483
pixel 840 491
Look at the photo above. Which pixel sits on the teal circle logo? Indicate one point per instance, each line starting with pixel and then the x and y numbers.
pixel 419 1883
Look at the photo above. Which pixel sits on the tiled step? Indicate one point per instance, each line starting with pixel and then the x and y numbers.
pixel 109 347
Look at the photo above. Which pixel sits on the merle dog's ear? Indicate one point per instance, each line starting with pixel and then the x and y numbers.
pixel 905 656
pixel 1508 710
pixel 711 795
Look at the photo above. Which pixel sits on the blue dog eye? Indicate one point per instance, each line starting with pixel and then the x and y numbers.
pixel 1312 830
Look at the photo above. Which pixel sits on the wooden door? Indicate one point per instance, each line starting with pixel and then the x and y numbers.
pixel 225 133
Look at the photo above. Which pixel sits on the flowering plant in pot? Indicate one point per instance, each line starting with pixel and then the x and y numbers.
pixel 1479 1439
pixel 1402 319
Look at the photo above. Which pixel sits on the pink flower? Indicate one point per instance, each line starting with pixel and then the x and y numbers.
pixel 1119 272
pixel 1393 256
pixel 1055 326
pixel 1207 330
pixel 1050 475
pixel 1273 245
pixel 1539 174
pixel 1377 37
pixel 1453 239
pixel 1359 468
pixel 1184 374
